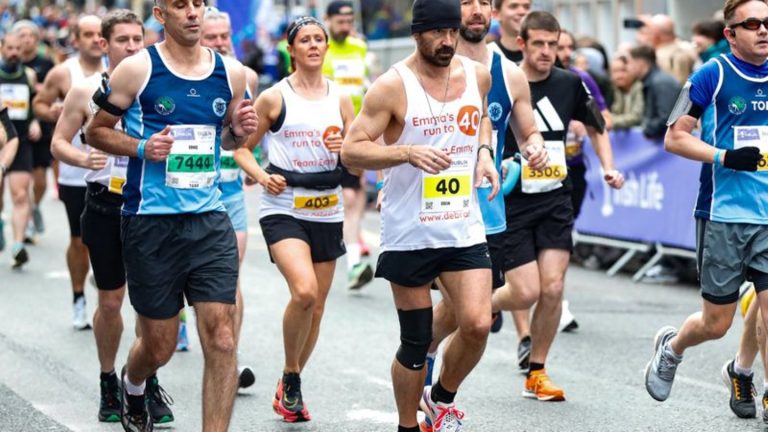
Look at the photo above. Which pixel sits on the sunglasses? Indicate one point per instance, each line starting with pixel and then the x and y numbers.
pixel 751 24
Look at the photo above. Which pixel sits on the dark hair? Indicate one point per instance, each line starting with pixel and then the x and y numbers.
pixel 118 16
pixel 712 29
pixel 621 58
pixel 644 52
pixel 539 21
pixel 729 10
pixel 295 26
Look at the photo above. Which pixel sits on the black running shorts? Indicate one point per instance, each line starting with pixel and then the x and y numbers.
pixel 349 180
pixel 100 224
pixel 74 202
pixel 420 267
pixel 172 256
pixel 23 159
pixel 325 239
pixel 496 251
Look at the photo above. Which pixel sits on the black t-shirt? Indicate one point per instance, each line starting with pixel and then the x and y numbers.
pixel 557 100
pixel 41 65
pixel 515 56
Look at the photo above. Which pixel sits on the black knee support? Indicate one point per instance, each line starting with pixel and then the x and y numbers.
pixel 415 337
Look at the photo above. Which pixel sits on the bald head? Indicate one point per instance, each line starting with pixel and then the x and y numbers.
pixel 663 29
pixel 87 33
pixel 86 22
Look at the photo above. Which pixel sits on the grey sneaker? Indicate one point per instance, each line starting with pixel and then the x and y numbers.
pixel 660 372
pixel 524 353
pixel 742 391
pixel 37 220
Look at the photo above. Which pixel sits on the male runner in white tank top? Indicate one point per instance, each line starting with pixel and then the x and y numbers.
pixel 431 111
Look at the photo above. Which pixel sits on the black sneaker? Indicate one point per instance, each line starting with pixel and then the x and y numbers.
pixel 158 401
pixel 246 377
pixel 524 353
pixel 765 407
pixel 20 258
pixel 742 392
pixel 134 413
pixel 109 407
pixel 496 322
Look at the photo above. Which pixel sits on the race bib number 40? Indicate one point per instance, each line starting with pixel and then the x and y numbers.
pixel 191 164
pixel 753 136
pixel 549 178
pixel 450 190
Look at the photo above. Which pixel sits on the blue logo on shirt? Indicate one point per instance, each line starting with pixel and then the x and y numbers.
pixel 737 105
pixel 219 107
pixel 495 111
pixel 164 105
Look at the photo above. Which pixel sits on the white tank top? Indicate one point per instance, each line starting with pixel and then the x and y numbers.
pixel 299 146
pixel 423 211
pixel 70 175
pixel 114 173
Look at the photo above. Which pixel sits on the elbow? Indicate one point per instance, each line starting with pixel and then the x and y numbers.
pixel 92 138
pixel 55 148
pixel 671 141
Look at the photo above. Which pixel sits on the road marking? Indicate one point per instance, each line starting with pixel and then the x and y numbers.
pixel 62 274
pixel 373 416
pixel 386 383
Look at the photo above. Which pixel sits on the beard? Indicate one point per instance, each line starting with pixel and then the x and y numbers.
pixel 473 36
pixel 441 57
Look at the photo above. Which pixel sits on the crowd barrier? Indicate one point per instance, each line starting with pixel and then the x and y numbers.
pixel 654 209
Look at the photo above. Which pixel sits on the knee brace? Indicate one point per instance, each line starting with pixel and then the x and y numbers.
pixel 415 337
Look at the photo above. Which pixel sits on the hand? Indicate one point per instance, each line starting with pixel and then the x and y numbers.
pixel 95 160
pixel 614 178
pixel 159 145
pixel 250 181
pixel 56 109
pixel 275 184
pixel 429 159
pixel 537 156
pixel 487 169
pixel 35 133
pixel 743 159
pixel 333 142
pixel 245 121
pixel 578 128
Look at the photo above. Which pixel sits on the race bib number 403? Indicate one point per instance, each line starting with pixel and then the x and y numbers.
pixel 191 163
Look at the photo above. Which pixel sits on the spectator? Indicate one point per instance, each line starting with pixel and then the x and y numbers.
pixel 565 54
pixel 627 108
pixel 709 40
pixel 660 90
pixel 591 60
pixel 674 56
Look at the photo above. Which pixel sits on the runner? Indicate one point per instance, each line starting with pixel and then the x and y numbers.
pixel 217 35
pixel 16 90
pixel 509 106
pixel 731 216
pixel 539 210
pixel 122 36
pixel 29 35
pixel 304 118
pixel 510 14
pixel 345 63
pixel 86 67
pixel 436 153
pixel 174 98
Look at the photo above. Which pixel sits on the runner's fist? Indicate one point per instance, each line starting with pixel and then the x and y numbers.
pixel 275 184
pixel 614 178
pixel 245 120
pixel 537 156
pixel 428 158
pixel 95 160
pixel 743 159
pixel 159 145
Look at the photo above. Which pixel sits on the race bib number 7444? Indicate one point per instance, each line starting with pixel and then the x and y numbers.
pixel 191 164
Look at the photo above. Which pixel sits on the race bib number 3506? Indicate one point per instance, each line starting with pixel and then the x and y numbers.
pixel 549 178
pixel 191 163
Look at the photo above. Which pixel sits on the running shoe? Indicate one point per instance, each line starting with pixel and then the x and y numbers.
pixel 29 234
pixel 359 275
pixel 497 322
pixel 110 406
pixel 539 386
pixel 79 315
pixel 567 320
pixel 425 426
pixel 2 237
pixel 20 257
pixel 246 377
pixel 524 353
pixel 288 402
pixel 158 401
pixel 37 220
pixel 742 391
pixel 182 341
pixel 135 414
pixel 442 417
pixel 660 372
pixel 765 407
pixel 430 364
pixel 364 249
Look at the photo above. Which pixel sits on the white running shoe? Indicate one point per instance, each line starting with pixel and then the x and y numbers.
pixel 79 316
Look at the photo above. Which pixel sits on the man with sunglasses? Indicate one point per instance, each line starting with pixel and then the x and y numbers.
pixel 730 96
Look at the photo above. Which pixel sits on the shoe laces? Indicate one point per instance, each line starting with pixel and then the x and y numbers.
pixel 111 395
pixel 448 418
pixel 292 388
pixel 743 388
pixel 157 394
pixel 666 365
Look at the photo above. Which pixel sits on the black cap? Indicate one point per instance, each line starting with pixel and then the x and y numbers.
pixel 435 14
pixel 339 7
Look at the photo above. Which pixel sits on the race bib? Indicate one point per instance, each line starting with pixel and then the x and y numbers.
pixel 310 202
pixel 15 97
pixel 349 74
pixel 230 171
pixel 118 174
pixel 191 164
pixel 753 136
pixel 549 178
pixel 450 190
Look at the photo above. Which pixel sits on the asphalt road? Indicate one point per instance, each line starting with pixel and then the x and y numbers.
pixel 49 372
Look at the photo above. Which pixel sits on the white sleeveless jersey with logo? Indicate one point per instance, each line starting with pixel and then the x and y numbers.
pixel 71 175
pixel 299 146
pixel 423 211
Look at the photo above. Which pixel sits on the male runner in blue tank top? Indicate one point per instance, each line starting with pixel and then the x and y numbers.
pixel 731 211
pixel 175 98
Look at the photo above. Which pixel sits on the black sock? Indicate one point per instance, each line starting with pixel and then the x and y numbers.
pixel 407 429
pixel 440 394
pixel 109 376
pixel 535 367
pixel 76 296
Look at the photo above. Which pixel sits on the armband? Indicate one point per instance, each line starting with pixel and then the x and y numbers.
pixel 10 130
pixel 101 99
pixel 140 149
pixel 594 116
pixel 379 185
pixel 684 106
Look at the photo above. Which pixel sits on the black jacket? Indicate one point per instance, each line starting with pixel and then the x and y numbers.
pixel 660 92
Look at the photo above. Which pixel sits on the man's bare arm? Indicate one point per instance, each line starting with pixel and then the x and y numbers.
pixel 523 122
pixel 680 141
pixel 73 117
pixel 45 105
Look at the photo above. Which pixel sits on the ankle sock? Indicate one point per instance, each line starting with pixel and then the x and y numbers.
pixel 441 395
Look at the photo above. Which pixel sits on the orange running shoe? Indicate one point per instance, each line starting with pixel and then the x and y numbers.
pixel 424 426
pixel 288 402
pixel 538 386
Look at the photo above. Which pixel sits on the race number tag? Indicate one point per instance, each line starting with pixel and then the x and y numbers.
pixel 349 73
pixel 191 165
pixel 15 97
pixel 118 173
pixel 450 190
pixel 549 178
pixel 753 136
pixel 310 202
pixel 230 171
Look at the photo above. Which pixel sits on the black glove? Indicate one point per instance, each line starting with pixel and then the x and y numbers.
pixel 743 159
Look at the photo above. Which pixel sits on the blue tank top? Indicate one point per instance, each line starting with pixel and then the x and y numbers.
pixel 233 190
pixel 735 117
pixel 171 99
pixel 499 110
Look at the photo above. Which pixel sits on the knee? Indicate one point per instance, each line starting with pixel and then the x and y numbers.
pixel 305 296
pixel 529 297
pixel 552 291
pixel 20 197
pixel 717 326
pixel 110 305
pixel 222 340
pixel 415 337
pixel 160 354
pixel 477 328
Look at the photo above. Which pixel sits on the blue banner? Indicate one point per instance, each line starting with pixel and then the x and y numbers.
pixel 657 201
pixel 242 15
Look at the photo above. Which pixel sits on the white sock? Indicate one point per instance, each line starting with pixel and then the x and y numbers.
pixel 353 255
pixel 133 389
pixel 740 370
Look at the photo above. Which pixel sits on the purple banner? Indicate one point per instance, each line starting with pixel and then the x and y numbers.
pixel 657 201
